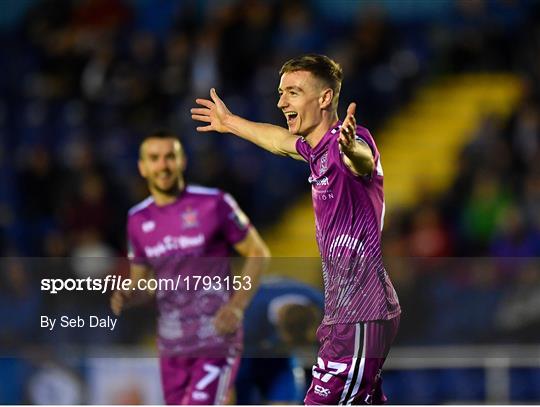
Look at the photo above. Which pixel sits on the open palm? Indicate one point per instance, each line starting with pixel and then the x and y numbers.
pixel 214 112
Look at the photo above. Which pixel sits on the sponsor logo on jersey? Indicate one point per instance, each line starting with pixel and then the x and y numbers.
pixel 170 243
pixel 189 219
pixel 148 226
pixel 199 395
pixel 322 195
pixel 321 391
pixel 318 181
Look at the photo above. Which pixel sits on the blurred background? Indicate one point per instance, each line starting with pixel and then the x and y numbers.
pixel 449 89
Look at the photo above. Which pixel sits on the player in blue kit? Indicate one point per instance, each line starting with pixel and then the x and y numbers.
pixel 283 316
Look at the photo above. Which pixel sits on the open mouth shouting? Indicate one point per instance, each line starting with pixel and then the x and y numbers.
pixel 291 118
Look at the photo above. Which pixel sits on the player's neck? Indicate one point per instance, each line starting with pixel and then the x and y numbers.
pixel 317 134
pixel 162 198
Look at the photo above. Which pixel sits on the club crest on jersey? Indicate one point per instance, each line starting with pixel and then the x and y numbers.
pixel 324 164
pixel 148 226
pixel 190 219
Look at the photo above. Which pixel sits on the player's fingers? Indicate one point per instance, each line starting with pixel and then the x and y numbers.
pixel 205 128
pixel 201 118
pixel 345 133
pixel 201 110
pixel 116 307
pixel 350 130
pixel 117 299
pixel 351 110
pixel 205 102
pixel 214 95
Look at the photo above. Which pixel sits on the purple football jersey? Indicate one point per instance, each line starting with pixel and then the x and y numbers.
pixel 349 213
pixel 182 241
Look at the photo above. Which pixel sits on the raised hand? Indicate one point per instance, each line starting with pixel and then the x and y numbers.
pixel 347 133
pixel 228 319
pixel 214 112
pixel 118 301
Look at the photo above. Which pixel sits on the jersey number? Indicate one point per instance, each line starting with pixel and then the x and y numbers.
pixel 334 368
pixel 212 372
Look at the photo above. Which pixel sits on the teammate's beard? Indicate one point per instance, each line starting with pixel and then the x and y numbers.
pixel 173 190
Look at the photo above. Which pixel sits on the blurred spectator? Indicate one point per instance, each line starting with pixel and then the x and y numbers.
pixel 51 383
pixel 20 301
pixel 90 211
pixel 518 314
pixel 429 236
pixel 481 211
pixel 514 238
pixel 532 199
pixel 39 177
pixel 247 23
pixel 174 78
pixel 296 33
pixel 204 72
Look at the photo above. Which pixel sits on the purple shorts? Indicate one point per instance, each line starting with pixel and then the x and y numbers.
pixel 349 363
pixel 197 380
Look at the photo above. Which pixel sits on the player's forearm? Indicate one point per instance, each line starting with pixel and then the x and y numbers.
pixel 267 136
pixel 360 159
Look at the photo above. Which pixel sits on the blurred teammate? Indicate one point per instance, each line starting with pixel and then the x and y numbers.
pixel 185 233
pixel 282 317
pixel 361 307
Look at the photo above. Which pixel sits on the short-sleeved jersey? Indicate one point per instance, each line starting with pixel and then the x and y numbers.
pixel 260 319
pixel 185 241
pixel 349 212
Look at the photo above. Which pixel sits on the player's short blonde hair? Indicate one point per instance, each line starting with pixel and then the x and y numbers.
pixel 323 68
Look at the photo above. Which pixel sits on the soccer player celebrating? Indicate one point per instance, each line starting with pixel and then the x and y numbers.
pixel 184 233
pixel 361 306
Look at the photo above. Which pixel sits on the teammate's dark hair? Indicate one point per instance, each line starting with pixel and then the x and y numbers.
pixel 322 67
pixel 298 321
pixel 161 134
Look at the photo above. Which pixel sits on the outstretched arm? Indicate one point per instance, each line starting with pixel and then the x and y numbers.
pixel 275 139
pixel 357 155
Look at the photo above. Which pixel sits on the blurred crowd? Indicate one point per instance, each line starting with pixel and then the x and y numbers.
pixel 83 80
pixel 486 226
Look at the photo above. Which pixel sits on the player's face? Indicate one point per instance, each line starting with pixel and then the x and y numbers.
pixel 300 100
pixel 162 164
